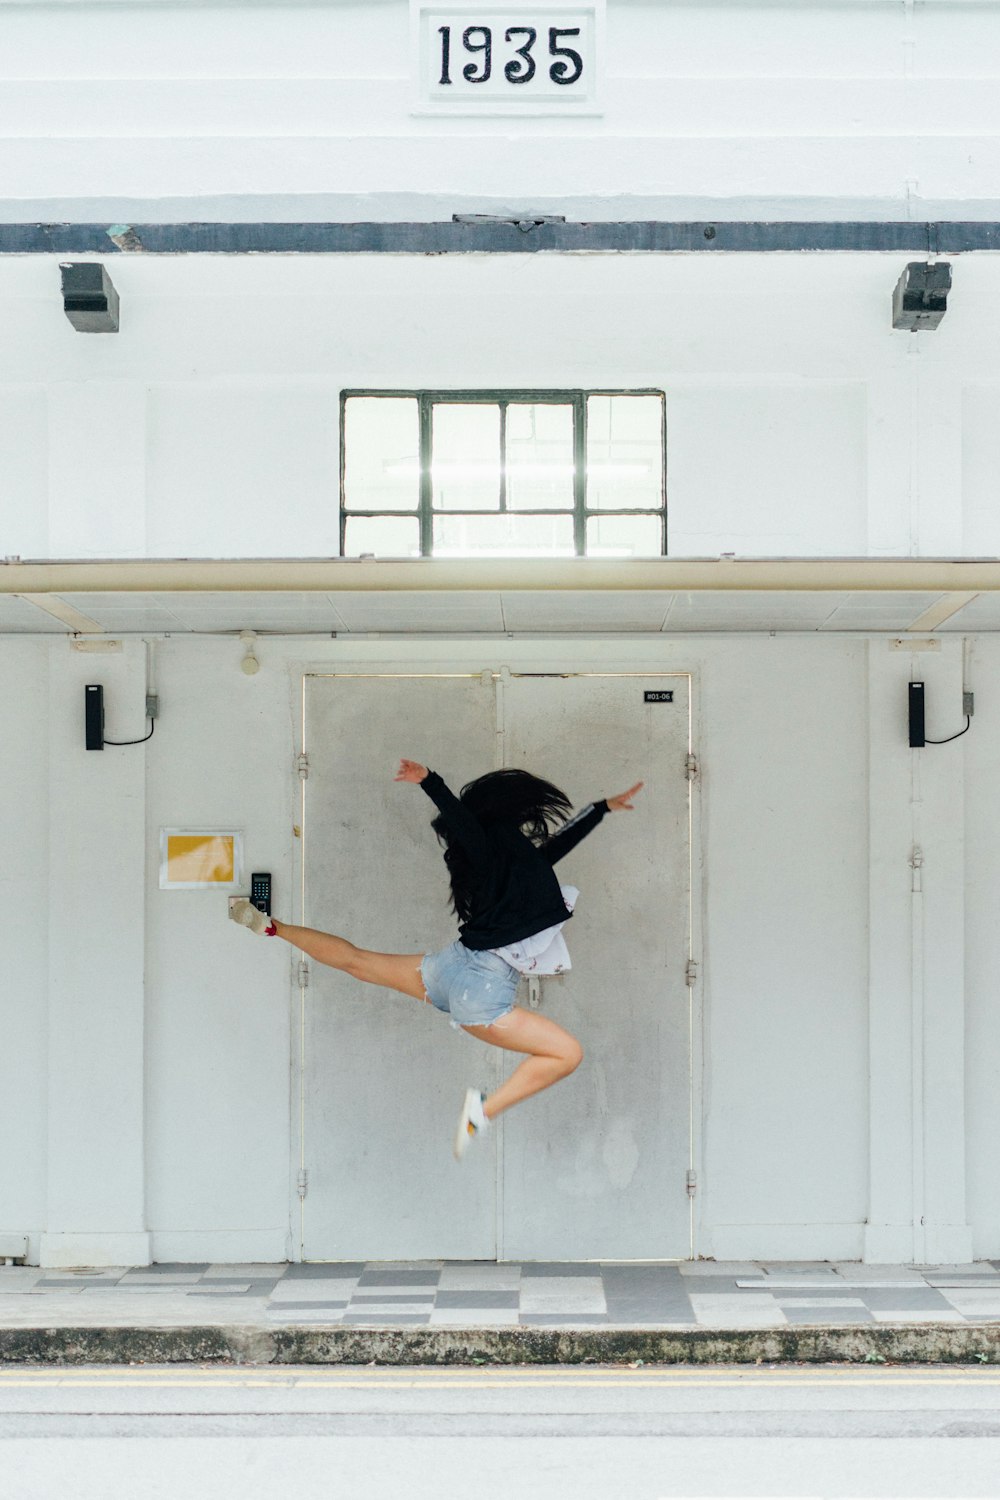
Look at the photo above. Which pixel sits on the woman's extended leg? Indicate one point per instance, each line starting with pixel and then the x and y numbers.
pixel 394 971
pixel 553 1054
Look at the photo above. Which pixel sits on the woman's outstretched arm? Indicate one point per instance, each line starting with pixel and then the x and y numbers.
pixel 571 834
pixel 463 825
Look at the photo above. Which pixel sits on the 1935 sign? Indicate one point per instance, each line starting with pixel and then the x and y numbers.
pixel 510 58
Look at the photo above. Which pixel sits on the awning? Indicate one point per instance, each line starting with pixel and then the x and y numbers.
pixel 346 596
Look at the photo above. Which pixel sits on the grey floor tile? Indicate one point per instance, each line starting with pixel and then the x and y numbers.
pixel 834 1295
pixel 251 1271
pixel 326 1270
pixel 649 1291
pixel 626 1275
pixel 571 1294
pixel 256 1288
pixel 476 1299
pixel 742 1268
pixel 399 1278
pixel 385 1320
pixel 651 1310
pixel 772 1266
pixel 481 1265
pixel 713 1285
pixel 459 1317
pixel 562 1320
pixel 231 1293
pixel 236 1280
pixel 813 1301
pixel 176 1268
pixel 331 1317
pixel 140 1279
pixel 560 1268
pixel 124 1290
pixel 916 1299
pixel 293 1306
pixel 362 1298
pixel 646 1320
pixel 480 1278
pixel 828 1315
pixel 315 1286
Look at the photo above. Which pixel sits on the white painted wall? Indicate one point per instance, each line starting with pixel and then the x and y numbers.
pixel 305 110
pixel 24 963
pixel 218 1010
pixel 806 879
pixel 982 953
pixel 798 423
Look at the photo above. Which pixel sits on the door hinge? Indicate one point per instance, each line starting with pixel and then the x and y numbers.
pixel 691 767
pixel 691 973
pixel 303 1183
pixel 302 974
pixel 303 766
pixel 692 1184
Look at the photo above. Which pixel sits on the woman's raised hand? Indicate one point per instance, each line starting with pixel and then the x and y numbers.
pixel 623 802
pixel 410 770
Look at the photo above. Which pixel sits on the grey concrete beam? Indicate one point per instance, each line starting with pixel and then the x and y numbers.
pixel 657 237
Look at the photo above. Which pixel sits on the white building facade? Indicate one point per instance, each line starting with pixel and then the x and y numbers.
pixel 784 968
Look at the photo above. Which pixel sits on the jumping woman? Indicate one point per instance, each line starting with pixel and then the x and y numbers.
pixel 499 849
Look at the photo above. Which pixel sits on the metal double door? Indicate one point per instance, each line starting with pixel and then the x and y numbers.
pixel 594 1168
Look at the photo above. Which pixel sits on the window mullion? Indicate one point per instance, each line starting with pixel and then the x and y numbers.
pixel 503 456
pixel 579 474
pixel 426 487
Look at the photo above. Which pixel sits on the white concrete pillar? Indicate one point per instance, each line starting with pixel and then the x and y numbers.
pixel 916 981
pixel 97 875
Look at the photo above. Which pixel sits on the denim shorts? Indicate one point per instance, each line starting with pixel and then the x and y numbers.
pixel 475 988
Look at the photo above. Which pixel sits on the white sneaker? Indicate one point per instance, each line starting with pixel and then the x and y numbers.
pixel 472 1122
pixel 247 915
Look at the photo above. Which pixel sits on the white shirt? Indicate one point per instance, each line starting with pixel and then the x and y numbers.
pixel 543 952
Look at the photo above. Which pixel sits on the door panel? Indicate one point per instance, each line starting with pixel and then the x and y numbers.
pixel 595 1167
pixel 385 1075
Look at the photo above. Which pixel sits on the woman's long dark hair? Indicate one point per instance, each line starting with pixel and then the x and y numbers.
pixel 514 798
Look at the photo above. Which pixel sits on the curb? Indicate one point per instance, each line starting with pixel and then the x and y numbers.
pixel 929 1343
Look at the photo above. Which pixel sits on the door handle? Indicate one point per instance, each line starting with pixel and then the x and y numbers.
pixel 534 992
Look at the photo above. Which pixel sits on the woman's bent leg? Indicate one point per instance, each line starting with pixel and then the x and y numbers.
pixel 553 1054
pixel 393 971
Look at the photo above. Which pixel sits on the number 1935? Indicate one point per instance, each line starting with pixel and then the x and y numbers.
pixel 521 54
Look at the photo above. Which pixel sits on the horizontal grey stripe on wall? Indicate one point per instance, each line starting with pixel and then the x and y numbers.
pixel 525 236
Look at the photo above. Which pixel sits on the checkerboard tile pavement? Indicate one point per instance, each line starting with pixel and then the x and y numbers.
pixel 480 1294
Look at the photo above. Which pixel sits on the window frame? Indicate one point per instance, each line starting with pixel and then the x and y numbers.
pixel 504 397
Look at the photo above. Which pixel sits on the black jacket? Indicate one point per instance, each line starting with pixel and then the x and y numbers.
pixel 516 890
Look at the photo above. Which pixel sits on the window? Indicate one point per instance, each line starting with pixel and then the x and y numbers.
pixel 502 473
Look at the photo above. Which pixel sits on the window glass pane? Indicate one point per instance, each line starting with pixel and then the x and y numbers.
pixel 624 452
pixel 381 453
pixel 385 536
pixel 465 456
pixel 539 456
pixel 508 535
pixel 624 536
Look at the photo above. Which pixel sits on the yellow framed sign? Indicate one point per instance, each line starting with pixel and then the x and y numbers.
pixel 200 859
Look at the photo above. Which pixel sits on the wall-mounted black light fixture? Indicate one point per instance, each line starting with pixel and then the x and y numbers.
pixel 93 707
pixel 89 297
pixel 93 718
pixel 916 715
pixel 916 706
pixel 920 299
